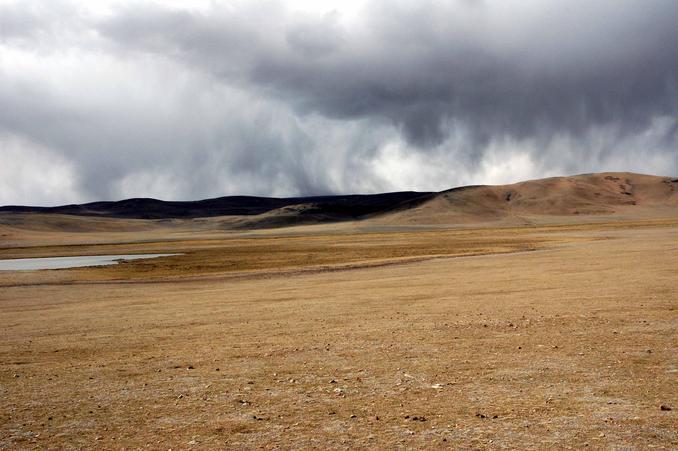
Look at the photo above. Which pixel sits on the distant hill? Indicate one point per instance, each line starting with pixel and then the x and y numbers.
pixel 329 207
pixel 600 194
pixel 581 195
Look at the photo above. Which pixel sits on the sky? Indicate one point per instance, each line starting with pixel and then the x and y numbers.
pixel 183 100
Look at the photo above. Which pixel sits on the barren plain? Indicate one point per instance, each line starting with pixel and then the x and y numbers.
pixel 354 335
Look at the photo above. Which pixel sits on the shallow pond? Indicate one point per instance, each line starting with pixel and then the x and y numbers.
pixel 22 264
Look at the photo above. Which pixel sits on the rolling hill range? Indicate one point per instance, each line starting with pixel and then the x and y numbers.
pixel 603 194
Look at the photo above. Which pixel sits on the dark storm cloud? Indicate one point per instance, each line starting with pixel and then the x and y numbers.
pixel 191 142
pixel 255 98
pixel 545 68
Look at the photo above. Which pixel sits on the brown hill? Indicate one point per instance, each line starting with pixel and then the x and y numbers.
pixel 549 200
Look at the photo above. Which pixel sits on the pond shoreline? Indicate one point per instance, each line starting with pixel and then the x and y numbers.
pixel 41 263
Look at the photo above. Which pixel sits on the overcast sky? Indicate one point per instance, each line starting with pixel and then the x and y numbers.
pixel 194 99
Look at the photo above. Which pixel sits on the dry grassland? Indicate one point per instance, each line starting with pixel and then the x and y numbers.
pixel 531 338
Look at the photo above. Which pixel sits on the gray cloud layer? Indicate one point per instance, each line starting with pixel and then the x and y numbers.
pixel 257 99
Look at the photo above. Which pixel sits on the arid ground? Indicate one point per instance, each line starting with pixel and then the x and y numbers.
pixel 342 336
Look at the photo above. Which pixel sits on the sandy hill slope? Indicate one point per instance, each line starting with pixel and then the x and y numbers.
pixel 608 194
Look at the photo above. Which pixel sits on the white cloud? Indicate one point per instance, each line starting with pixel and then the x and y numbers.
pixel 31 174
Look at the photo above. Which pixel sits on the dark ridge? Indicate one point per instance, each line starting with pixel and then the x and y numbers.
pixel 330 207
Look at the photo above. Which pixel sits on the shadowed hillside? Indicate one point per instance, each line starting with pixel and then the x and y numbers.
pixel 320 208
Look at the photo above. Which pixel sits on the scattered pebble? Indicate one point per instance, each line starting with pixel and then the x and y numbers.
pixel 665 408
pixel 422 418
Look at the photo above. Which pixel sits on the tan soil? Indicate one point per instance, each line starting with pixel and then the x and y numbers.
pixel 381 334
